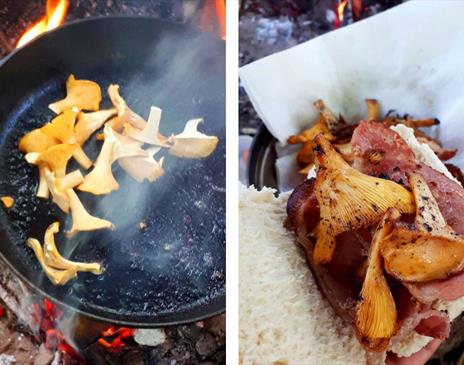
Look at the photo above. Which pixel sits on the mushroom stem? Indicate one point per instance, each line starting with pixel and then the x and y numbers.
pixel 42 191
pixel 81 158
pixel 70 180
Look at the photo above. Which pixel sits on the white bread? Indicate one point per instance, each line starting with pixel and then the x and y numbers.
pixel 284 319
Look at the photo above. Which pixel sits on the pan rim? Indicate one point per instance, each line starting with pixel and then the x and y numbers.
pixel 216 306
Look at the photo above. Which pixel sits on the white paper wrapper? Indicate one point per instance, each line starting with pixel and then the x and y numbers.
pixel 410 58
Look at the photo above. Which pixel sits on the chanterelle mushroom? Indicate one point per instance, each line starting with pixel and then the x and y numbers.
pixel 59 197
pixel 56 158
pixel 125 114
pixel 88 123
pixel 427 250
pixel 82 220
pixel 150 133
pixel 191 143
pixel 80 94
pixel 62 128
pixel 101 180
pixel 349 199
pixel 55 260
pixel 376 313
pixel 143 167
pixel 57 277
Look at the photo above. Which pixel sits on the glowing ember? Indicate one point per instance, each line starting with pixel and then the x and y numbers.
pixel 115 338
pixel 55 13
pixel 341 10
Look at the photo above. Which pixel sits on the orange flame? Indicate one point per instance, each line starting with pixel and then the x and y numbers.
pixel 55 13
pixel 341 10
pixel 208 19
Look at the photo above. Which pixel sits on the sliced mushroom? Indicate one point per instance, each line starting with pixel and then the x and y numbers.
pixel 125 114
pixel 57 277
pixel 191 143
pixel 62 128
pixel 101 180
pixel 428 250
pixel 81 94
pixel 54 259
pixel 59 197
pixel 150 133
pixel 141 168
pixel 88 123
pixel 82 220
pixel 348 199
pixel 36 141
pixel 308 135
pixel 376 315
pixel 7 201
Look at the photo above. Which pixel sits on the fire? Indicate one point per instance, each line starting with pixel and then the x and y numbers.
pixel 207 16
pixel 341 10
pixel 117 335
pixel 55 13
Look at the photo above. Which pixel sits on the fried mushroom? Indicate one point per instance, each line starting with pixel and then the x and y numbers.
pixel 349 199
pixel 427 250
pixel 191 143
pixel 88 123
pixel 150 133
pixel 80 94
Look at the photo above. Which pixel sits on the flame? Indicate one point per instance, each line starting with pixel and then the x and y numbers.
pixel 118 336
pixel 208 19
pixel 55 13
pixel 341 10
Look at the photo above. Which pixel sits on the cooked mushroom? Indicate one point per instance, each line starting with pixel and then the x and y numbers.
pixel 373 112
pixel 88 123
pixel 7 201
pixel 331 120
pixel 70 180
pixel 141 168
pixel 82 220
pixel 125 114
pixel 57 277
pixel 55 260
pixel 191 143
pixel 348 199
pixel 81 94
pixel 101 180
pixel 376 315
pixel 62 128
pixel 56 158
pixel 59 197
pixel 428 250
pixel 36 141
pixel 150 133
pixel 308 135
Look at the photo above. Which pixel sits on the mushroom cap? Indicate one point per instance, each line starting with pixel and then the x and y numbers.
pixel 191 143
pixel 80 94
pixel 427 250
pixel 62 127
pixel 7 201
pixel 57 157
pixel 349 199
pixel 36 141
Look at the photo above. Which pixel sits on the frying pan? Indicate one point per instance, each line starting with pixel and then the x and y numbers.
pixel 174 270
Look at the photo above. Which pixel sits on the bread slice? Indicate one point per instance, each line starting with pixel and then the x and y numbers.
pixel 284 319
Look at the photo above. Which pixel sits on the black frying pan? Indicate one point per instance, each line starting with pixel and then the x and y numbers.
pixel 174 271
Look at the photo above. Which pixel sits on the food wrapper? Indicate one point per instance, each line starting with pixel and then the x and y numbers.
pixel 410 58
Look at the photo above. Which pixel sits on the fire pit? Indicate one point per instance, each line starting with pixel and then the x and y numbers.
pixel 34 330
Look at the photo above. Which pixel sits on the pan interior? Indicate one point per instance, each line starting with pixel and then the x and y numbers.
pixel 174 270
